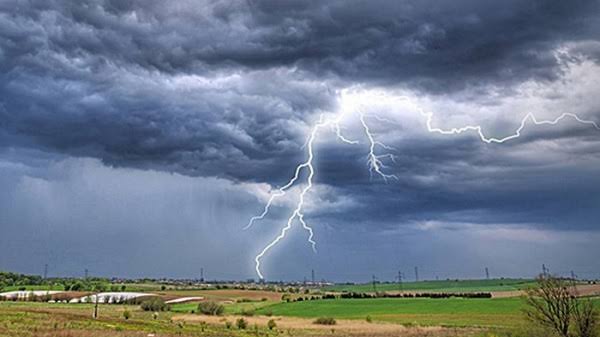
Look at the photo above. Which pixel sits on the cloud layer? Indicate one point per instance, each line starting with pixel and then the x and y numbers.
pixel 223 93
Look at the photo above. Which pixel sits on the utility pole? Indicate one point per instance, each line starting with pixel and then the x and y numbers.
pixel 416 274
pixel 573 276
pixel 96 306
pixel 45 271
pixel 312 274
pixel 86 272
pixel 487 273
pixel 202 274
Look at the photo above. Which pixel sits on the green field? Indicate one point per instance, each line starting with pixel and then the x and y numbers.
pixel 441 286
pixel 33 287
pixel 501 312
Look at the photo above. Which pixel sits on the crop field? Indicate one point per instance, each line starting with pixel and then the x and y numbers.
pixel 441 286
pixel 417 311
pixel 501 312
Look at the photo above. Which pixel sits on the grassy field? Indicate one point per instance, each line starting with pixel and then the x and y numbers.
pixel 28 319
pixel 501 312
pixel 441 286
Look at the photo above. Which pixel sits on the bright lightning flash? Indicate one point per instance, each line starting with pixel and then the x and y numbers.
pixel 375 161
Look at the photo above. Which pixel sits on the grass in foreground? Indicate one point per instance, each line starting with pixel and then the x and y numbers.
pixel 55 320
pixel 29 319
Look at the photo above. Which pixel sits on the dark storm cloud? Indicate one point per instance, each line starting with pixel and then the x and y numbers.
pixel 467 182
pixel 94 78
pixel 439 46
pixel 431 44
pixel 229 89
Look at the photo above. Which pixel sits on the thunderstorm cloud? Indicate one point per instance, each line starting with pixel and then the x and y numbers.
pixel 131 131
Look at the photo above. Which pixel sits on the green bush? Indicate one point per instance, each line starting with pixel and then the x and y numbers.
pixel 369 319
pixel 241 323
pixel 126 314
pixel 211 308
pixel 247 312
pixel 271 324
pixel 154 304
pixel 325 321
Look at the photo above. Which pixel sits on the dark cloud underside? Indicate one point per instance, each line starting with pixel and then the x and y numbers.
pixel 229 89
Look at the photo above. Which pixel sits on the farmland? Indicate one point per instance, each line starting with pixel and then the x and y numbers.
pixel 440 286
pixel 293 308
pixel 501 312
pixel 419 311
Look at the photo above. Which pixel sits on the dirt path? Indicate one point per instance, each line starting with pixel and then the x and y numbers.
pixel 349 327
pixel 582 289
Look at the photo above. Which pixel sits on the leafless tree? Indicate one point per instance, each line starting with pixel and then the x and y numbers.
pixel 554 304
pixel 586 318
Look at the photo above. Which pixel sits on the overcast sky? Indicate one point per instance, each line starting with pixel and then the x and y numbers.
pixel 137 138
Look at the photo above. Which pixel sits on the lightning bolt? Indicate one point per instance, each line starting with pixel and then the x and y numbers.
pixel 375 161
pixel 478 129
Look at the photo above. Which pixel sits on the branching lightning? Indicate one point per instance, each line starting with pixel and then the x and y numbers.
pixel 516 134
pixel 375 161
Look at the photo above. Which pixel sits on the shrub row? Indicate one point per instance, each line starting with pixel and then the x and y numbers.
pixel 155 304
pixel 211 308
pixel 416 295
pixel 325 321
pixel 359 295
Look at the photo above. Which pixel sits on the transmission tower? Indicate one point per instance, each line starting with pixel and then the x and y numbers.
pixel 399 280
